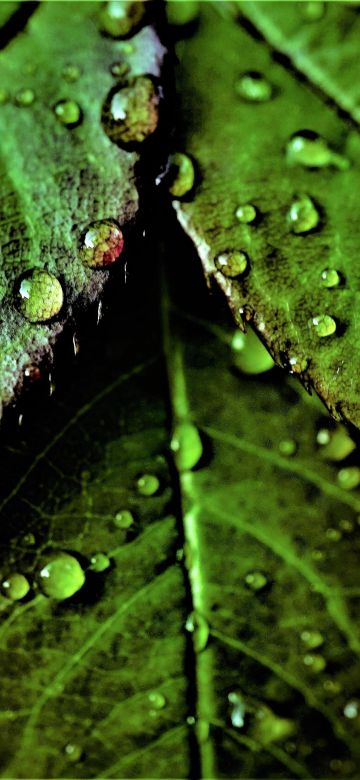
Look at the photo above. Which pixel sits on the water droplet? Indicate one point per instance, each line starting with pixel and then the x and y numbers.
pixel 316 663
pixel 131 112
pixel 148 485
pixel 24 98
pixel 186 445
pixel 347 526
pixel 287 447
pixel 39 296
pixel 28 540
pixel 4 96
pixel 303 215
pixel 190 720
pixel 335 444
pixel 324 325
pixel 309 149
pixel 119 69
pixel 237 710
pixel 254 87
pixel 183 13
pixel 119 18
pixel 157 700
pixel 73 752
pixel 249 354
pixel 68 112
pixel 99 562
pixel 312 639
pixel 198 626
pixel 231 264
pixel 351 709
pixel 330 277
pixel 246 213
pixel 124 519
pixel 102 243
pixel 15 586
pixel 312 10
pixel 61 576
pixel 349 478
pixel 256 580
pixel 71 73
pixel 333 534
pixel 182 173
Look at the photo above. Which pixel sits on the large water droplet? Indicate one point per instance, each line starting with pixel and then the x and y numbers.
pixel 99 562
pixel 148 485
pixel 15 586
pixel 330 277
pixel 199 627
pixel 303 215
pixel 61 576
pixel 256 580
pixel 312 639
pixel 24 98
pixel 231 264
pixel 349 478
pixel 254 87
pixel 39 296
pixel 71 73
pixel 182 173
pixel 131 112
pixel 102 243
pixel 124 519
pixel 352 709
pixel 309 149
pixel 237 709
pixel 186 445
pixel 324 325
pixel 246 213
pixel 249 354
pixel 119 18
pixel 68 112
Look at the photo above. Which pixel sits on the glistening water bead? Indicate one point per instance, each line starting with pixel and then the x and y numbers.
pixel 24 98
pixel 15 586
pixel 182 168
pixel 231 264
pixel 119 18
pixel 68 113
pixel 39 296
pixel 186 445
pixel 303 215
pixel 246 213
pixel 148 485
pixel 131 112
pixel 254 87
pixel 330 278
pixel 61 577
pixel 309 149
pixel 102 243
pixel 324 325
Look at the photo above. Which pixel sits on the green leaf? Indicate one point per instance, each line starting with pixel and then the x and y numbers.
pixel 253 551
pixel 60 172
pixel 299 282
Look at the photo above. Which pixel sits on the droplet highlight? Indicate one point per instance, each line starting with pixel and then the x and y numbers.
pixel 186 446
pixel 61 577
pixel 131 112
pixel 351 709
pixel 324 325
pixel 303 215
pixel 330 278
pixel 68 113
pixel 15 586
pixel 148 485
pixel 102 243
pixel 231 264
pixel 39 296
pixel 99 562
pixel 124 519
pixel 254 87
pixel 246 214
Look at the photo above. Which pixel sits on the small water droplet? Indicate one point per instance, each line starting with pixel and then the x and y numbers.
pixel 246 213
pixel 28 540
pixel 297 364
pixel 68 112
pixel 119 69
pixel 61 576
pixel 333 534
pixel 312 10
pixel 182 173
pixel 131 112
pixel 254 87
pixel 287 447
pixel 256 580
pixel 73 752
pixel 309 149
pixel 99 562
pixel 186 445
pixel 312 639
pixel 157 700
pixel 183 13
pixel 39 296
pixel 335 444
pixel 303 215
pixel 190 720
pixel 71 72
pixel 237 710
pixel 4 96
pixel 324 325
pixel 330 277
pixel 199 627
pixel 15 586
pixel 119 18
pixel 349 478
pixel 318 555
pixel 351 709
pixel 347 526
pixel 148 485
pixel 316 663
pixel 124 519
pixel 231 264
pixel 24 98
pixel 102 243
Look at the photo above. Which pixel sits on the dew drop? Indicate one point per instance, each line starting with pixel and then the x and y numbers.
pixel 349 478
pixel 71 73
pixel 68 112
pixel 124 519
pixel 309 149
pixel 186 445
pixel 246 213
pixel 249 354
pixel 335 444
pixel 15 586
pixel 303 215
pixel 231 264
pixel 24 98
pixel 333 534
pixel 351 709
pixel 346 525
pixel 330 278
pixel 183 13
pixel 148 485
pixel 39 296
pixel 102 243
pixel 119 69
pixel 61 576
pixel 28 540
pixel 316 663
pixel 256 580
pixel 131 112
pixel 254 87
pixel 237 710
pixel 119 18
pixel 324 325
pixel 190 720
pixel 157 700
pixel 199 627
pixel 182 172
pixel 99 562
pixel 73 752
pixel 312 639
pixel 4 96
pixel 287 447
pixel 312 10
